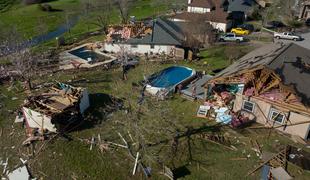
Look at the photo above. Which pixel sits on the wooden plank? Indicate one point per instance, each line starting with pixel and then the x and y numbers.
pixel 267 161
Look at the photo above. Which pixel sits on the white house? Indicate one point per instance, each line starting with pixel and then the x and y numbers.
pixel 200 6
pixel 166 37
pixel 212 11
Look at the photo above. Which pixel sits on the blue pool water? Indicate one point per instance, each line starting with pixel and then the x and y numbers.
pixel 170 76
pixel 85 54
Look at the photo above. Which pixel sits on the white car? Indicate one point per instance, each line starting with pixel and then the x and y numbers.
pixel 231 37
pixel 287 35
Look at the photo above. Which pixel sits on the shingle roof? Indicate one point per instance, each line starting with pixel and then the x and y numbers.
pixel 164 32
pixel 202 3
pixel 290 62
pixel 241 5
pixel 213 16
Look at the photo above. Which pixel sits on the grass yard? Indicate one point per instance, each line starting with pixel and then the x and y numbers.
pixel 30 21
pixel 158 121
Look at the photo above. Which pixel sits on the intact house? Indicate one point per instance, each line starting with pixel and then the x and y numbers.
pixel 55 110
pixel 274 87
pixel 210 11
pixel 221 14
pixel 162 37
pixel 241 9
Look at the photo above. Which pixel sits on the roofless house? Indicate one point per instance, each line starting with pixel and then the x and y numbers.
pixel 274 87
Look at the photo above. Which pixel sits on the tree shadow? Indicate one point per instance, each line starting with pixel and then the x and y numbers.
pixel 181 172
pixel 101 107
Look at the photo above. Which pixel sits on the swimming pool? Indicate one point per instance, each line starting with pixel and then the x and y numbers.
pixel 89 55
pixel 167 79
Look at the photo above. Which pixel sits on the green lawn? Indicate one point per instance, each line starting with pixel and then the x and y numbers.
pixel 30 21
pixel 159 122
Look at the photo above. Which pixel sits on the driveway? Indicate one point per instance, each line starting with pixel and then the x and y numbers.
pixel 304 43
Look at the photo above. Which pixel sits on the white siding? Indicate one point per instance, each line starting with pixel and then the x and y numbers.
pixel 198 9
pixel 219 26
pixel 215 25
pixel 141 49
pixel 262 112
pixel 37 120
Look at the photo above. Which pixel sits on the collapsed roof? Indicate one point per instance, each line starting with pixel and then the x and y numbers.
pixel 291 63
pixel 62 104
pixel 164 32
pixel 59 98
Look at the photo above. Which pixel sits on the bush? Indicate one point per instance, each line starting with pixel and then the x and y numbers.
pixel 256 14
pixel 294 23
pixel 45 7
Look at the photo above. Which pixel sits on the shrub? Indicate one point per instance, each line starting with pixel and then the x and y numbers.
pixel 45 7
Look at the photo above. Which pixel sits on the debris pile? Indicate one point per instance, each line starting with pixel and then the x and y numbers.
pixel 124 32
pixel 54 111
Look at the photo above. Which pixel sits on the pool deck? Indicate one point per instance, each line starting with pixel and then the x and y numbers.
pixel 70 61
pixel 199 84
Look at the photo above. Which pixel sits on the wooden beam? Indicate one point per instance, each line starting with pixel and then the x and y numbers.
pixel 290 107
pixel 271 85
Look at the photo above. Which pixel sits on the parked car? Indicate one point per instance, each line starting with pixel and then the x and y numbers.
pixel 307 22
pixel 287 35
pixel 274 24
pixel 231 37
pixel 248 27
pixel 240 31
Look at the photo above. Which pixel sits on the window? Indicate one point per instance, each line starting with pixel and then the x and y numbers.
pixel 134 46
pixel 276 115
pixel 152 46
pixel 248 106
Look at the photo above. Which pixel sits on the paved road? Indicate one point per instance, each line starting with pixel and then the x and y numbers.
pixel 304 43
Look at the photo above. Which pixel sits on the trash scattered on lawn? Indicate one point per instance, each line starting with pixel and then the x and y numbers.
pixel 20 173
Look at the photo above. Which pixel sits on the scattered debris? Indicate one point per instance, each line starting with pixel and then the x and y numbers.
pixel 280 174
pixel 20 173
pixel 218 139
pixel 60 106
pixel 19 119
pixel 299 157
pixel 278 160
pixel 203 111
pixel 168 172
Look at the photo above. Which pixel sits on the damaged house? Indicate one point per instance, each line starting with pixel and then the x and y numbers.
pixel 271 86
pixel 161 37
pixel 55 110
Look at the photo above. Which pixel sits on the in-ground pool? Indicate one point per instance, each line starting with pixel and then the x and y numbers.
pixel 167 79
pixel 88 55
